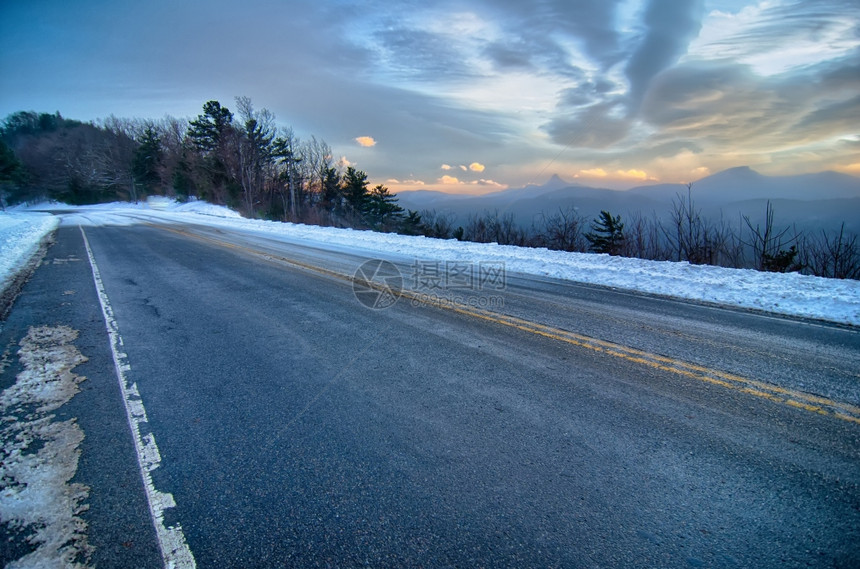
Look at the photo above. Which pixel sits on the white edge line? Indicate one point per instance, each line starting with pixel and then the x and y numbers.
pixel 171 540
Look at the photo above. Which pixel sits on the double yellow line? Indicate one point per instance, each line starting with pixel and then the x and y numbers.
pixel 791 397
pixel 799 399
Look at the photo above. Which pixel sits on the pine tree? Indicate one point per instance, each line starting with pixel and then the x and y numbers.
pixel 330 198
pixel 207 130
pixel 380 208
pixel 355 188
pixel 607 234
pixel 11 173
pixel 147 160
pixel 782 262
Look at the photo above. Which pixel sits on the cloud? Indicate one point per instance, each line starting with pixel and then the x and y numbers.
pixel 476 167
pixel 597 126
pixel 610 82
pixel 671 26
pixel 449 180
pixel 342 162
pixel 536 33
pixel 366 141
pixel 696 101
pixel 853 169
pixel 593 173
pixel 634 174
pixel 489 183
pixel 410 51
pixel 774 37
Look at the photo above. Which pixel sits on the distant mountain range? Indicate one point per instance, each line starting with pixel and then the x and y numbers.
pixel 810 201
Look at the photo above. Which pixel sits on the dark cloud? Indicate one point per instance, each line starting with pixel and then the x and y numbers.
pixel 670 27
pixel 729 106
pixel 597 126
pixel 589 23
pixel 510 56
pixel 417 54
pixel 592 117
pixel 724 103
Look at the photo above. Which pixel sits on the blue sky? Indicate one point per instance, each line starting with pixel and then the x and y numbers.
pixel 473 95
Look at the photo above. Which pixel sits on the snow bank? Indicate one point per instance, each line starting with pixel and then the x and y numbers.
pixel 20 234
pixel 790 294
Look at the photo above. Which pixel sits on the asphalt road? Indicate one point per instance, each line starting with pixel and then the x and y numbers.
pixel 533 423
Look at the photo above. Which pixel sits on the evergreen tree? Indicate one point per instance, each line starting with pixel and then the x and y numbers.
pixel 607 234
pixel 380 208
pixel 212 134
pixel 207 130
pixel 411 224
pixel 283 151
pixel 355 189
pixel 782 262
pixel 254 153
pixel 147 161
pixel 11 173
pixel 182 180
pixel 330 198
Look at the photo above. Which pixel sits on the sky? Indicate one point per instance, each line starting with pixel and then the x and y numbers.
pixel 470 96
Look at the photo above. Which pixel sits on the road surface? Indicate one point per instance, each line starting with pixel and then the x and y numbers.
pixel 239 392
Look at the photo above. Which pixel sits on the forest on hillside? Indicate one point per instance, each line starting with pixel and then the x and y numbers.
pixel 244 160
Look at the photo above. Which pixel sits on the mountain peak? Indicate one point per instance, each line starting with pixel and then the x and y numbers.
pixel 555 183
pixel 738 172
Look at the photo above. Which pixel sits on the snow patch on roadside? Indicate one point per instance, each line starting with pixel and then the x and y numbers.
pixel 21 234
pixel 40 456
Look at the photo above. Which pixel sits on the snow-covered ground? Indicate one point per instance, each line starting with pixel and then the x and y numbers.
pixel 20 233
pixel 791 294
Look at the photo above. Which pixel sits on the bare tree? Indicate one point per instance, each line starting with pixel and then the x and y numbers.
pixel 644 238
pixel 113 157
pixel 768 245
pixel 833 256
pixel 689 236
pixel 563 230
pixel 493 228
pixel 438 224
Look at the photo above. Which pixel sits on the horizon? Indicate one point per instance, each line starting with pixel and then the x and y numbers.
pixel 646 184
pixel 473 97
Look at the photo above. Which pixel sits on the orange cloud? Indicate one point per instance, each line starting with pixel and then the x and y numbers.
pixel 633 174
pixel 593 173
pixel 446 166
pixel 366 141
pixel 853 169
pixel 476 167
pixel 449 180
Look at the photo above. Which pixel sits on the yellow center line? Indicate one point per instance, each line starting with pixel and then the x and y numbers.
pixel 786 396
